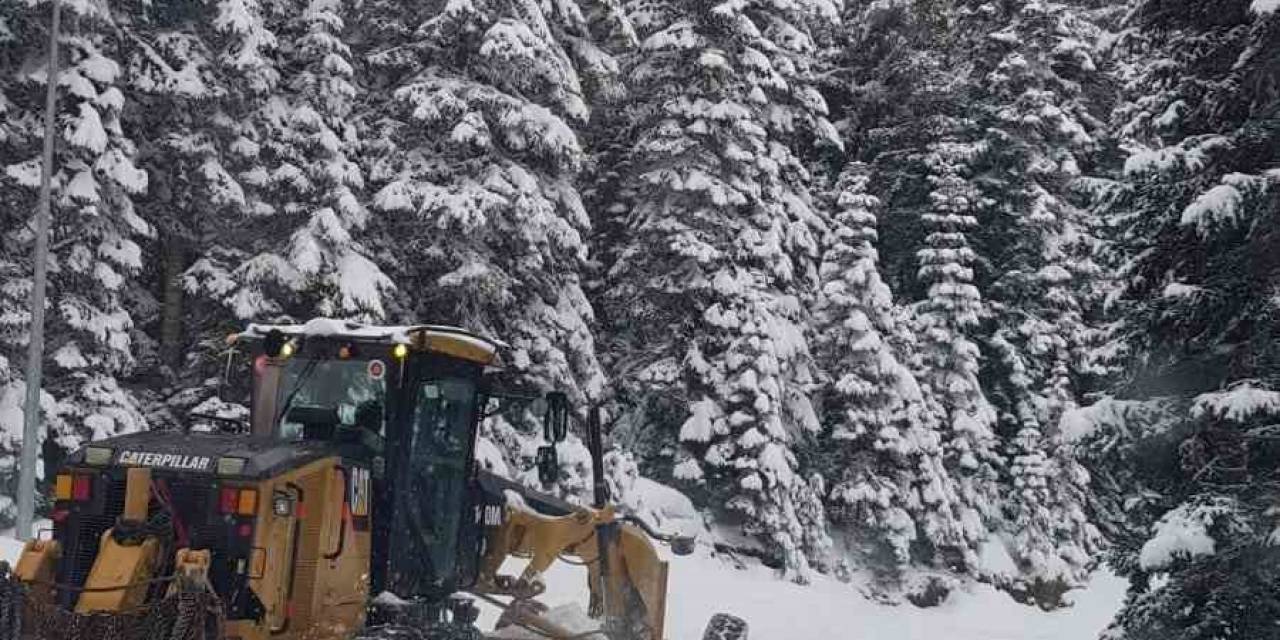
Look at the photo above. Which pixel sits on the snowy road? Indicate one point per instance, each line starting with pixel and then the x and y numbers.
pixel 828 609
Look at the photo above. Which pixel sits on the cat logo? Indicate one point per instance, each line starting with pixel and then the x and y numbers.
pixel 174 461
pixel 358 492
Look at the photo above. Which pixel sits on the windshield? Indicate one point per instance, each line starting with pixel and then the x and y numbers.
pixel 356 388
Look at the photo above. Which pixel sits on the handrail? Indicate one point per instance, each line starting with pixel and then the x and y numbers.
pixel 342 522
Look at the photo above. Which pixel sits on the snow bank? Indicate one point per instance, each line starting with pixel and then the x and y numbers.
pixel 994 559
pixel 1265 6
pixel 664 508
pixel 10 549
pixel 570 617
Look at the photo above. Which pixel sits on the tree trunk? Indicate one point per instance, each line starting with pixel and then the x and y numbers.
pixel 171 340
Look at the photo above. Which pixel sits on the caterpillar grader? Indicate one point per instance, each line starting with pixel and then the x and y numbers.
pixel 349 505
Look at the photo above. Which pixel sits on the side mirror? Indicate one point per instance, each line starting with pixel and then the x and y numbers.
pixel 555 421
pixel 548 465
pixel 225 391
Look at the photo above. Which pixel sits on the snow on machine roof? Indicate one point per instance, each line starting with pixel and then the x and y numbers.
pixel 442 339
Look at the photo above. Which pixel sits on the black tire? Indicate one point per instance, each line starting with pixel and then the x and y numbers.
pixel 723 626
pixel 388 632
pixel 434 632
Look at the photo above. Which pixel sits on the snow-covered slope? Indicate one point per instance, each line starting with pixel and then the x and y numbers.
pixel 701 585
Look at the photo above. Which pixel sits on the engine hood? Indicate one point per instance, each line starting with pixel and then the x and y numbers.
pixel 198 453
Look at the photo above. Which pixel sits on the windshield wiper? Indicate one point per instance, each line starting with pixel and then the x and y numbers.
pixel 293 393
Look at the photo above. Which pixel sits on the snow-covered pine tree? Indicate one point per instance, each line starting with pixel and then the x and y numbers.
pixel 188 76
pixel 1038 135
pixel 95 231
pixel 889 485
pixel 310 142
pixel 1191 490
pixel 472 153
pixel 298 245
pixel 228 269
pixel 720 250
pixel 948 320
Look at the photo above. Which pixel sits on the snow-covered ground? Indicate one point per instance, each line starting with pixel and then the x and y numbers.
pixel 10 549
pixel 701 585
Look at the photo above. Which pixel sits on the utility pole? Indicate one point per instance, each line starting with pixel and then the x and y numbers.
pixel 35 347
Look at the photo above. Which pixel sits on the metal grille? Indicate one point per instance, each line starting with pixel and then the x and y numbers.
pixel 307 570
pixel 194 499
pixel 81 537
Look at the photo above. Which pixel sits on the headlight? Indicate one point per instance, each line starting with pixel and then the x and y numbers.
pixel 97 456
pixel 230 466
pixel 282 505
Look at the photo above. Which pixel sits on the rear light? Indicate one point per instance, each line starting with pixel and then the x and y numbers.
pixel 248 502
pixel 228 500
pixel 241 502
pixel 62 487
pixel 81 488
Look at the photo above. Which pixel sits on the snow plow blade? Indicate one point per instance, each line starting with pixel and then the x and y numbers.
pixel 189 612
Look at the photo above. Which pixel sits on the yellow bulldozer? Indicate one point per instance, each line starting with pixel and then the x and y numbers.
pixel 349 505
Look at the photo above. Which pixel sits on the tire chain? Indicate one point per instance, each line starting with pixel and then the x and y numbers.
pixel 184 615
pixel 435 632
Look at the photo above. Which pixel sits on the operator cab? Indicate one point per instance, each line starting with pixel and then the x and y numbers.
pixel 406 401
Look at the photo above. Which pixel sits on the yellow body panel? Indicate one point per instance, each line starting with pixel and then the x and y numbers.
pixel 636 569
pixel 118 579
pixel 449 344
pixel 137 494
pixel 311 567
pixel 38 564
pixel 116 568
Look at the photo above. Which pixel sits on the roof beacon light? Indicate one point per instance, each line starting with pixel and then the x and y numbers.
pixel 273 344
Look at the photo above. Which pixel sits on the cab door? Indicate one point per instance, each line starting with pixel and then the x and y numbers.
pixel 432 502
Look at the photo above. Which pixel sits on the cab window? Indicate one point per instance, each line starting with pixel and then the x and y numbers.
pixel 356 388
